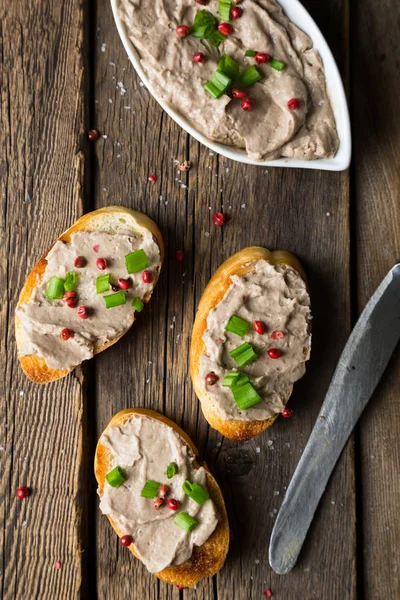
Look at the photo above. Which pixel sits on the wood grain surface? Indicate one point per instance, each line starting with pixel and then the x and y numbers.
pixel 42 170
pixel 64 71
pixel 377 248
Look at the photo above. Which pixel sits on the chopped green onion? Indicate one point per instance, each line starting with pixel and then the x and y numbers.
pixel 244 354
pixel 103 283
pixel 276 64
pixel 217 85
pixel 238 326
pixel 195 491
pixel 138 304
pixel 201 31
pixel 116 299
pixel 216 38
pixel 136 261
pixel 250 52
pixel 241 380
pixel 204 17
pixel 228 66
pixel 116 477
pixel 172 470
pixel 246 396
pixel 150 489
pixel 250 75
pixel 224 10
pixel 55 289
pixel 229 380
pixel 71 279
pixel 185 521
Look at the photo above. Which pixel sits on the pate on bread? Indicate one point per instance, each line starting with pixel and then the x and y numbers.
pixel 251 339
pixel 163 503
pixel 83 294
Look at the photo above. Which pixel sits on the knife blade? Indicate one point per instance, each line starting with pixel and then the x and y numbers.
pixel 360 367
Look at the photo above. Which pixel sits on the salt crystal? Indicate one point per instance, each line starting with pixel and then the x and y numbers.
pixel 270 443
pixel 110 100
pixel 121 88
pixel 207 233
pixel 104 136
pixel 258 450
pixel 21 393
pixel 103 47
pixel 276 493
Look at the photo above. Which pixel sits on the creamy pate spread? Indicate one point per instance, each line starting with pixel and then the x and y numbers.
pixel 270 130
pixel 277 297
pixel 144 447
pixel 42 320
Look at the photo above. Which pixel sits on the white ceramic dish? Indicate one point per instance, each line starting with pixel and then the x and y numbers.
pixel 300 17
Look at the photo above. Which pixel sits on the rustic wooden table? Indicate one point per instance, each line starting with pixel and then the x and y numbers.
pixel 63 72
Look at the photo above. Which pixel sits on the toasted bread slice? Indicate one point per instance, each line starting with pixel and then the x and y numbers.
pixel 238 264
pixel 207 559
pixel 110 220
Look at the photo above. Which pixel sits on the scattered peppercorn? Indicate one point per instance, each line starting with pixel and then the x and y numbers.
pixel 22 492
pixel 93 135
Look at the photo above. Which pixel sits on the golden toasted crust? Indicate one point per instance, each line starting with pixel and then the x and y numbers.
pixel 104 219
pixel 207 559
pixel 238 264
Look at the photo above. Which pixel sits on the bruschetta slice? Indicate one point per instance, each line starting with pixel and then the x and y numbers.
pixel 84 293
pixel 163 503
pixel 250 340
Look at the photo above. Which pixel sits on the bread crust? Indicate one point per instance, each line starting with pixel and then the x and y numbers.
pixel 207 559
pixel 35 367
pixel 238 264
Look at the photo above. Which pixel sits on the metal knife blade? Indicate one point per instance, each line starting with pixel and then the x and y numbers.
pixel 361 365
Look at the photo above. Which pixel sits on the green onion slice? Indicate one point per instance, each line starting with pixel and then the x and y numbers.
pixel 204 17
pixel 185 521
pixel 229 66
pixel 250 52
pixel 250 75
pixel 229 380
pixel 244 354
pixel 241 380
pixel 201 31
pixel 172 470
pixel 103 283
pixel 218 84
pixel 136 261
pixel 224 10
pixel 55 289
pixel 150 489
pixel 276 64
pixel 138 304
pixel 238 326
pixel 246 396
pixel 216 38
pixel 71 280
pixel 116 299
pixel 195 492
pixel 116 477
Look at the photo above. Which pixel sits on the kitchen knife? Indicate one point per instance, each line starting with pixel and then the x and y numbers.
pixel 361 365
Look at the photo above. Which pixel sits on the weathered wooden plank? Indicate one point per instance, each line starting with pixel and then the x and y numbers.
pixel 292 208
pixel 376 72
pixel 41 173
